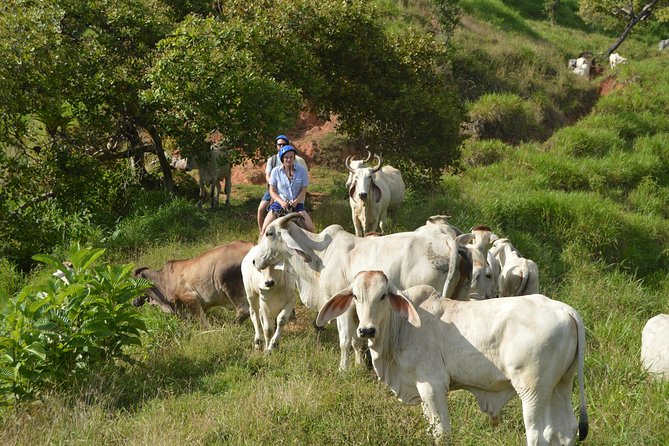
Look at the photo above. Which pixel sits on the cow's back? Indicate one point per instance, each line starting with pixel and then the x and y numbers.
pixel 214 276
pixel 396 187
pixel 407 258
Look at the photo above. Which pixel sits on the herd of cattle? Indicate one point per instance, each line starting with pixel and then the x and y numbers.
pixel 421 304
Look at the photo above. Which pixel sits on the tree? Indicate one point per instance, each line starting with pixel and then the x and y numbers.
pixel 622 15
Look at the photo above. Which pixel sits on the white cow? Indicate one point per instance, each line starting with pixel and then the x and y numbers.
pixel 355 164
pixel 213 168
pixel 517 276
pixel 663 44
pixel 581 66
pixel 423 346
pixel 655 346
pixel 271 294
pixel 325 263
pixel 372 193
pixel 615 59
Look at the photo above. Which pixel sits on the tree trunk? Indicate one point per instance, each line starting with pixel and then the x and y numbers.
pixel 164 165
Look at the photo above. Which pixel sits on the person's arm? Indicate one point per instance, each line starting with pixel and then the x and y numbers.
pixel 300 197
pixel 268 169
pixel 274 193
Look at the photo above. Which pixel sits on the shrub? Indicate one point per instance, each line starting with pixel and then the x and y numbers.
pixel 475 153
pixel 56 332
pixel 504 116
pixel 650 198
pixel 629 125
pixel 581 141
pixel 178 219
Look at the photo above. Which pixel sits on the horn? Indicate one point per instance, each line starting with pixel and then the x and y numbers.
pixel 369 156
pixel 379 162
pixel 348 164
pixel 288 218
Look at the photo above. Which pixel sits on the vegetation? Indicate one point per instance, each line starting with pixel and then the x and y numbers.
pixel 585 196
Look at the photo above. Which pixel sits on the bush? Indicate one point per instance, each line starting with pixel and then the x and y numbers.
pixel 178 219
pixel 58 331
pixel 476 153
pixel 582 141
pixel 504 116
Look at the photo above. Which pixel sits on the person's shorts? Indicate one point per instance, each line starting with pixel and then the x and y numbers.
pixel 266 196
pixel 276 207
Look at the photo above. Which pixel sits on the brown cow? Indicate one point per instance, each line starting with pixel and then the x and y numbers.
pixel 192 286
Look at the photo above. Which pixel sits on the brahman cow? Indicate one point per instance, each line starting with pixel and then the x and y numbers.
pixel 372 193
pixel 423 346
pixel 475 263
pixel 355 164
pixel 271 296
pixel 615 59
pixel 324 263
pixel 655 346
pixel 212 168
pixel 517 275
pixel 192 286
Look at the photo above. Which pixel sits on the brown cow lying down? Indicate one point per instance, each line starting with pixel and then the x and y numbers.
pixel 192 286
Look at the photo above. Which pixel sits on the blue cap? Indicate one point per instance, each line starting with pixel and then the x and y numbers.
pixel 282 137
pixel 286 149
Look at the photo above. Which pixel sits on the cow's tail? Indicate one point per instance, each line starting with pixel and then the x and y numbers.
pixel 452 263
pixel 580 352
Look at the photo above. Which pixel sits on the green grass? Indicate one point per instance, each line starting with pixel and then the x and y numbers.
pixel 589 205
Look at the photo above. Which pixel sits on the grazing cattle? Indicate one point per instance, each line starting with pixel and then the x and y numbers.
pixel 372 193
pixel 615 59
pixel 324 263
pixel 663 44
pixel 271 295
pixel 655 346
pixel 422 346
pixel 580 66
pixel 517 276
pixel 192 286
pixel 440 223
pixel 212 169
pixel 476 266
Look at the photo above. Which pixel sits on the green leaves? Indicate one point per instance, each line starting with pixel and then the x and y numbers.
pixel 67 326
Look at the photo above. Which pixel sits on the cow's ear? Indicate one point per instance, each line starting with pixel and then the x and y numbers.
pixel 403 307
pixel 376 191
pixel 464 239
pixel 351 190
pixel 294 246
pixel 335 306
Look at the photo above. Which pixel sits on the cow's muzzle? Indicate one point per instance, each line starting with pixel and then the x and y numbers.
pixel 363 195
pixel 139 301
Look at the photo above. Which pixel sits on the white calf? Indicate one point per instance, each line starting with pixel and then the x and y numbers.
pixel 271 296
pixel 518 276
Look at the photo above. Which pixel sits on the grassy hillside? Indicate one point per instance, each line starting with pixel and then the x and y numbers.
pixel 586 198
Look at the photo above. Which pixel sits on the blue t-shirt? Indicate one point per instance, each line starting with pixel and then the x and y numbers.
pixel 289 190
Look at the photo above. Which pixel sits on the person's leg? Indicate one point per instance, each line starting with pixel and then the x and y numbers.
pixel 262 209
pixel 271 216
pixel 262 213
pixel 308 224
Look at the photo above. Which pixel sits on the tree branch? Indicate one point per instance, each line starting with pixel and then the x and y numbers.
pixel 645 12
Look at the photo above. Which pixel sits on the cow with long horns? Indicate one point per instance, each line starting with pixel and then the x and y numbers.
pixel 372 192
